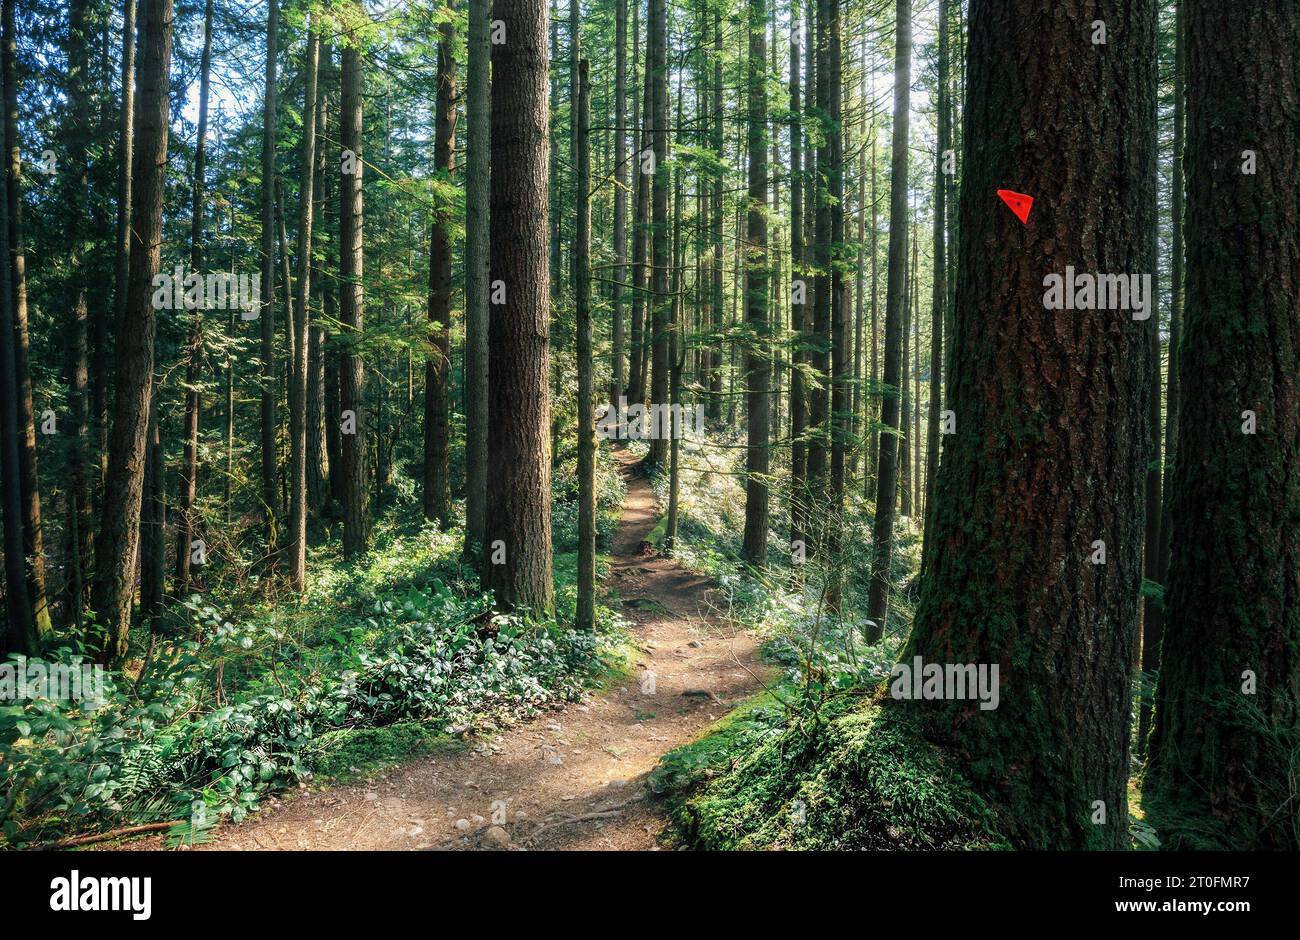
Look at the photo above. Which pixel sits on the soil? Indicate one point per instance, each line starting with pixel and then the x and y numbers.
pixel 573 778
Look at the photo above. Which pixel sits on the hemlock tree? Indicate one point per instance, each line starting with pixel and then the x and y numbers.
pixel 1035 559
pixel 1223 772
pixel 518 545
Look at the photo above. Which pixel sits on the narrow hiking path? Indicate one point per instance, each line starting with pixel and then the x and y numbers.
pixel 573 778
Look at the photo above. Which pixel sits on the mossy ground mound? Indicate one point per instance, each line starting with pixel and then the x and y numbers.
pixel 864 779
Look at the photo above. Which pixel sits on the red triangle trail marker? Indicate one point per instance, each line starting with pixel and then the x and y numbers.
pixel 1019 203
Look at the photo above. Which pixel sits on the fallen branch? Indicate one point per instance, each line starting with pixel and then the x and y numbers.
pixel 112 834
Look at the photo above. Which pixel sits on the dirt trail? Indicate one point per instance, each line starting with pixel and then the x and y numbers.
pixel 574 778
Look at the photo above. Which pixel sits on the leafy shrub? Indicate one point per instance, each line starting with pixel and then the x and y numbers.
pixel 154 752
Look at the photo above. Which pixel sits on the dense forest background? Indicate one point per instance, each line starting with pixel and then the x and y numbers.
pixel 320 318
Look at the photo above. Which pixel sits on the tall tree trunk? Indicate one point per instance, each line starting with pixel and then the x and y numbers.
pixel 882 535
pixel 476 279
pixel 660 300
pixel 641 223
pixel 354 436
pixel 859 277
pixel 553 151
pixel 873 435
pixel 318 492
pixel 575 53
pixel 1154 613
pixel 119 531
pixel 819 329
pixel 676 350
pixel 194 355
pixel 519 487
pixel 1223 771
pixel 939 297
pixel 906 440
pixel 798 305
pixel 299 325
pixel 20 634
pixel 586 613
pixel 122 253
pixel 620 198
pixel 153 524
pixel 716 296
pixel 838 334
pixel 333 403
pixel 757 363
pixel 437 368
pixel 1035 555
pixel 33 536
pixel 270 494
pixel 81 476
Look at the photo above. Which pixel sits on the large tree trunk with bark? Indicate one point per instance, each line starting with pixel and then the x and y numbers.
pixel 82 474
pixel 620 198
pixel 437 368
pixel 757 352
pixel 519 487
pixel 194 355
pixel 1034 561
pixel 586 608
pixel 122 249
pixel 660 301
pixel 300 326
pixel 798 304
pixel 1153 614
pixel 882 535
pixel 19 634
pixel 270 478
pixel 1223 771
pixel 476 278
pixel 29 487
pixel 354 424
pixel 818 324
pixel 939 296
pixel 119 530
pixel 839 320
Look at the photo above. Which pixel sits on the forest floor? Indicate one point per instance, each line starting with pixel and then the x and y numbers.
pixel 572 778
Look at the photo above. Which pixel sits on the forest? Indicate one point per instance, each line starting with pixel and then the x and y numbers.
pixel 634 425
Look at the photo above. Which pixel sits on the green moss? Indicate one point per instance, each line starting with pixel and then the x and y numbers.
pixel 683 768
pixel 864 779
pixel 352 753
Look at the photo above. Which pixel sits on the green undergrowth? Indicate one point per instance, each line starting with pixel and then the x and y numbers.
pixel 250 692
pixel 810 762
pixel 859 777
pixel 354 753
